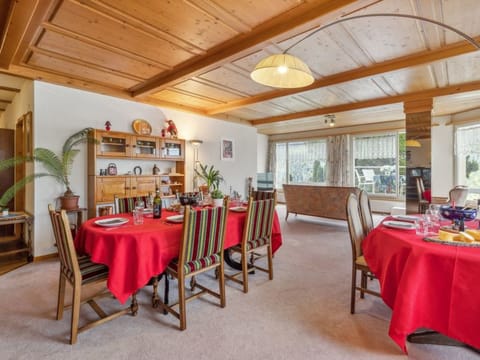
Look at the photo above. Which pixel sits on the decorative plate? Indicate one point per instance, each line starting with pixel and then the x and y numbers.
pixel 141 127
pixel 175 218
pixel 402 225
pixel 452 243
pixel 111 222
pixel 238 209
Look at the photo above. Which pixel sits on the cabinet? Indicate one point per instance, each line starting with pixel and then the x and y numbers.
pixel 132 147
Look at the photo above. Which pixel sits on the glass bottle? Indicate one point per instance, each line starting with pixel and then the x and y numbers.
pixel 157 205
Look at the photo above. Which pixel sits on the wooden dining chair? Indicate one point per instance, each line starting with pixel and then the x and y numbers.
pixel 257 236
pixel 201 250
pixel 422 202
pixel 126 204
pixel 357 234
pixel 80 272
pixel 263 194
pixel 365 212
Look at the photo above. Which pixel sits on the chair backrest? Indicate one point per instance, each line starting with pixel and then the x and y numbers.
pixel 355 228
pixel 420 187
pixel 369 175
pixel 66 249
pixel 458 194
pixel 258 221
pixel 126 204
pixel 265 181
pixel 263 195
pixel 366 212
pixel 202 237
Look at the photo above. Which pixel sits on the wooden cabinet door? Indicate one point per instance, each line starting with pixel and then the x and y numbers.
pixel 145 147
pixel 113 144
pixel 143 185
pixel 107 187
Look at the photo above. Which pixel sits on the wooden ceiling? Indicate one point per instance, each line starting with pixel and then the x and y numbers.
pixel 197 55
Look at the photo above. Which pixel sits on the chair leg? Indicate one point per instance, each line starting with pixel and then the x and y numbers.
pixel 76 302
pixel 221 283
pixel 363 284
pixel 270 262
pixel 181 304
pixel 352 292
pixel 61 296
pixel 245 272
pixel 155 298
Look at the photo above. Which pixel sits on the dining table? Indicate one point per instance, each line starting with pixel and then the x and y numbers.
pixel 136 253
pixel 427 284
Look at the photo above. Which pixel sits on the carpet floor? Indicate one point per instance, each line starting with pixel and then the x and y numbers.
pixel 302 314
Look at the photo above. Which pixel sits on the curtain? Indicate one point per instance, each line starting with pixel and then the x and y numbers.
pixel 338 161
pixel 467 140
pixel 375 147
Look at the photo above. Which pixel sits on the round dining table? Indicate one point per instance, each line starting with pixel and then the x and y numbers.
pixel 136 253
pixel 427 284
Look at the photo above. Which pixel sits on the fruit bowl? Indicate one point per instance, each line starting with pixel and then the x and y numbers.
pixel 458 213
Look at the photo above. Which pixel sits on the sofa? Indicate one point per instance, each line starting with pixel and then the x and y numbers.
pixel 323 201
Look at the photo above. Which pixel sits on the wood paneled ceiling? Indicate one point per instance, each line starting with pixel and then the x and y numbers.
pixel 197 55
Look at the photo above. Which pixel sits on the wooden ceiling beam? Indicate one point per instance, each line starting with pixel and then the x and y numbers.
pixel 420 58
pixel 10 89
pixel 240 44
pixel 424 94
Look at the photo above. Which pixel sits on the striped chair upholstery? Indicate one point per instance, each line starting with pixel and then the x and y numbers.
pixel 79 271
pixel 201 250
pixel 263 195
pixel 257 235
pixel 127 204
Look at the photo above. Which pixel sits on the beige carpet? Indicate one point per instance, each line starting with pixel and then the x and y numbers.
pixel 302 314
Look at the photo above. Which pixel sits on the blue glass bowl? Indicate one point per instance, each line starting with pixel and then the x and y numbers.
pixel 458 212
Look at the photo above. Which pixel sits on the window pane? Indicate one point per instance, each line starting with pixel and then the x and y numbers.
pixel 281 165
pixel 300 162
pixel 375 164
pixel 468 159
pixel 306 161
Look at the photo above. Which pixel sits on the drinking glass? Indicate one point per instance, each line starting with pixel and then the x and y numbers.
pixel 138 212
pixel 433 219
pixel 421 226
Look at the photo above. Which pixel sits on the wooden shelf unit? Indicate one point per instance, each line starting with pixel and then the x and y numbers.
pixel 125 146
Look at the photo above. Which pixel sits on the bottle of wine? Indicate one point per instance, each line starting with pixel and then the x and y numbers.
pixel 157 205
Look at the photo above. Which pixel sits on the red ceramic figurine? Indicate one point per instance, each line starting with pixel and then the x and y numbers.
pixel 171 129
pixel 108 124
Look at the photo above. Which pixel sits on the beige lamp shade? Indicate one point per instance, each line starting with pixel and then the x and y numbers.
pixel 282 71
pixel 413 143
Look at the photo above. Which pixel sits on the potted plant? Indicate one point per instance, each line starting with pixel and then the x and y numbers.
pixel 57 166
pixel 217 197
pixel 212 178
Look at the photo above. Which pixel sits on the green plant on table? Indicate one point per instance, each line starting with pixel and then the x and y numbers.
pixel 216 194
pixel 210 175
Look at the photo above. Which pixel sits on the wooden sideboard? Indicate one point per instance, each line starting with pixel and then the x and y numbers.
pixel 323 201
pixel 125 146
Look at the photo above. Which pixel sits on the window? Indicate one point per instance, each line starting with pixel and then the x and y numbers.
pixel 300 162
pixel 379 163
pixel 467 160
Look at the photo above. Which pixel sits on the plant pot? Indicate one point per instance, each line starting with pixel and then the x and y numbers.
pixel 69 202
pixel 217 202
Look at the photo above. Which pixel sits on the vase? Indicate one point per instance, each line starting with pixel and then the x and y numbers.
pixel 217 202
pixel 69 202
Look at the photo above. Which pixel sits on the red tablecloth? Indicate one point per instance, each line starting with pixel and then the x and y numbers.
pixel 426 284
pixel 135 253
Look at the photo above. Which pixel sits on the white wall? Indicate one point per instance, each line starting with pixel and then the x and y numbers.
pixel 61 111
pixel 262 152
pixel 442 160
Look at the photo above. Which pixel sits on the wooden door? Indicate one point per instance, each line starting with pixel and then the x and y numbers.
pixel 23 147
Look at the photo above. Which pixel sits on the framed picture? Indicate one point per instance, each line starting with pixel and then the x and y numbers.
pixel 227 149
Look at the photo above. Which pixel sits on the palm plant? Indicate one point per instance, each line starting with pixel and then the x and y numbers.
pixel 56 166
pixel 211 176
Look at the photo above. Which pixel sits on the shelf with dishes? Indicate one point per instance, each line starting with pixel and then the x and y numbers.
pixel 142 163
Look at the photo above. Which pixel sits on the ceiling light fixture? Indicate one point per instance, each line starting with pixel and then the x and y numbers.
pixel 288 71
pixel 413 143
pixel 330 120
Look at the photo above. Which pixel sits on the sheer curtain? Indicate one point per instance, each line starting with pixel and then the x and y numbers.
pixel 338 161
